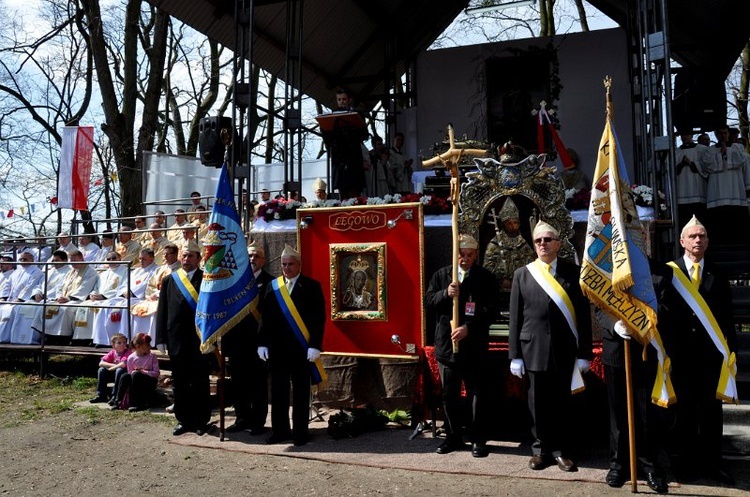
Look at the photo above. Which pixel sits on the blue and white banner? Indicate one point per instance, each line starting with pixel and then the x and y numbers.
pixel 228 291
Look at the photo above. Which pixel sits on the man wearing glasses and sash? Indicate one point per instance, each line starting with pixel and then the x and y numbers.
pixel 550 341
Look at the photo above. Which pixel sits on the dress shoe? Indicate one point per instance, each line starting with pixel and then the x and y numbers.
pixel 615 479
pixel 479 449
pixel 448 446
pixel 180 429
pixel 538 462
pixel 99 399
pixel 721 476
pixel 258 430
pixel 565 464
pixel 657 483
pixel 136 408
pixel 237 426
pixel 200 431
pixel 300 441
pixel 277 439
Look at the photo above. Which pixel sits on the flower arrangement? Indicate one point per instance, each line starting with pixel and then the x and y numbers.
pixel 281 209
pixel 643 196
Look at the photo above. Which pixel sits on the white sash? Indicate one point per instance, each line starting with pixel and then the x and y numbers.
pixel 561 299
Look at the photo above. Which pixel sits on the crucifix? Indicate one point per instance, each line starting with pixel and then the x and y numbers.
pixel 450 160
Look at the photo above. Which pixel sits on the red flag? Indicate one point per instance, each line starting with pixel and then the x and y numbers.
pixel 10 213
pixel 75 167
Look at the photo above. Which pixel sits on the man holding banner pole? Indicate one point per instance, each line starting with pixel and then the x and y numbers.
pixel 615 273
pixel 290 338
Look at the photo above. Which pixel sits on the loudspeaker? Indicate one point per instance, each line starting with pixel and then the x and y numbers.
pixel 700 100
pixel 209 141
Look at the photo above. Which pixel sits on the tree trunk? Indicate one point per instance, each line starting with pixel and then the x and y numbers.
pixel 742 94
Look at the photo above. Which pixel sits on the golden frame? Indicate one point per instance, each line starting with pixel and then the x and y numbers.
pixel 358 290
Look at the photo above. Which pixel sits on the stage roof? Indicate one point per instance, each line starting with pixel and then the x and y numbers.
pixel 346 41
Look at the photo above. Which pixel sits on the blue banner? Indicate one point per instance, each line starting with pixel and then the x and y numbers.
pixel 228 291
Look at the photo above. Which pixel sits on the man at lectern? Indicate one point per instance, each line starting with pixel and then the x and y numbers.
pixel 343 132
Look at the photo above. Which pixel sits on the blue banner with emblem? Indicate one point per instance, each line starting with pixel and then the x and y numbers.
pixel 228 292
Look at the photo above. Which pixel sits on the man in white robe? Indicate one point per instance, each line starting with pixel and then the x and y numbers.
pixel 144 312
pixel 77 284
pixel 24 280
pixel 88 248
pixel 98 324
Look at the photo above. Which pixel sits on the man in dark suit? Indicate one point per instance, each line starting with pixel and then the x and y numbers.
pixel 477 299
pixel 249 374
pixel 548 339
pixel 290 355
pixel 175 331
pixel 697 361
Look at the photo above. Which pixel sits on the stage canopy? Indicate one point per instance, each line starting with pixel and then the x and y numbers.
pixel 359 43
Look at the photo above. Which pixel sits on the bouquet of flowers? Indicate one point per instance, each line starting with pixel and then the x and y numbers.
pixel 644 197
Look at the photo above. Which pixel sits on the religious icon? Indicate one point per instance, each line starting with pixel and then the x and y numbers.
pixel 358 281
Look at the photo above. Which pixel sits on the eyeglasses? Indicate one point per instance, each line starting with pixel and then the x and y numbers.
pixel 546 239
pixel 111 258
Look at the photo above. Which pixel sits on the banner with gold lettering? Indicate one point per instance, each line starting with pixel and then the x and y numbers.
pixel 615 273
pixel 228 291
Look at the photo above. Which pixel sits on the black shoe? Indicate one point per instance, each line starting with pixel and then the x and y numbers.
pixel 180 429
pixel 301 440
pixel 113 401
pixel 615 479
pixel 722 477
pixel 98 399
pixel 538 462
pixel 136 408
pixel 448 446
pixel 565 464
pixel 657 483
pixel 200 431
pixel 237 426
pixel 258 430
pixel 277 439
pixel 479 449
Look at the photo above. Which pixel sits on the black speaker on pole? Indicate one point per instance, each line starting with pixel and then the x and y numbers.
pixel 700 100
pixel 210 144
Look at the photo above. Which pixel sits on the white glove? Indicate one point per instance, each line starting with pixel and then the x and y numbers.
pixel 312 354
pixel 622 330
pixel 263 353
pixel 517 367
pixel 583 365
pixel 161 347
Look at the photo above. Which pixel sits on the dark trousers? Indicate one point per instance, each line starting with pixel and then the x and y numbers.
pixel 549 404
pixel 699 427
pixel 139 386
pixel 454 407
pixel 249 386
pixel 296 375
pixel 104 376
pixel 646 425
pixel 192 393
